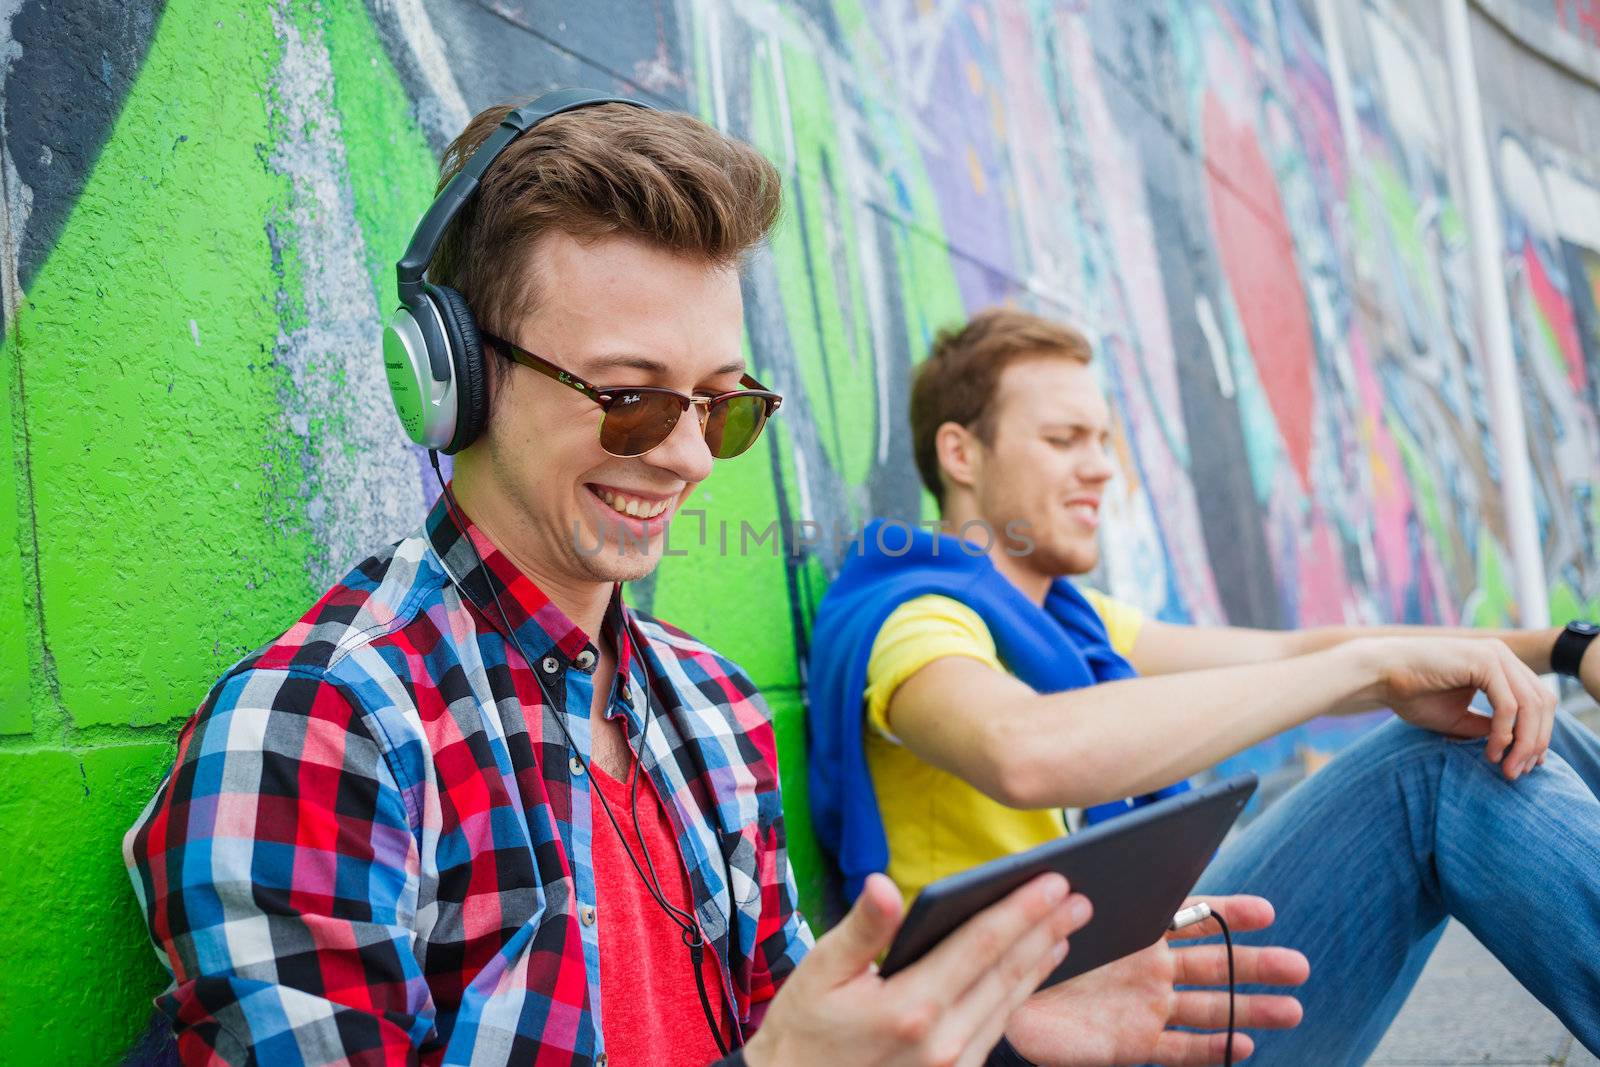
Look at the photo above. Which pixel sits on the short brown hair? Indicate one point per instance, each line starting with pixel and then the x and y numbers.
pixel 957 382
pixel 661 176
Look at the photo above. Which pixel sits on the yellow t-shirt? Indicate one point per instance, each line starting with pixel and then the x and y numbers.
pixel 936 823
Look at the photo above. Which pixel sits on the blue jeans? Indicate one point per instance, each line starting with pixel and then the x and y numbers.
pixel 1367 858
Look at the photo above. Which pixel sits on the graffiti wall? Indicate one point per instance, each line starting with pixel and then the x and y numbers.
pixel 1255 214
pixel 1547 167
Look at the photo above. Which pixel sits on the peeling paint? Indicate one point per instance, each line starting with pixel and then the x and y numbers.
pixel 357 471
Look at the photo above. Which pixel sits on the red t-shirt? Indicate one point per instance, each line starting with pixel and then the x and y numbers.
pixel 649 1005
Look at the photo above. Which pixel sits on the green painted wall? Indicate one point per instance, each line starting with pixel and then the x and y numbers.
pixel 146 422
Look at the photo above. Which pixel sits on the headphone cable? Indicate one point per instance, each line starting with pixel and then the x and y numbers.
pixel 688 926
pixel 1199 913
pixel 1227 937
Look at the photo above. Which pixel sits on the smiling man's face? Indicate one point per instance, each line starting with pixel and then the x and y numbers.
pixel 615 312
pixel 1046 463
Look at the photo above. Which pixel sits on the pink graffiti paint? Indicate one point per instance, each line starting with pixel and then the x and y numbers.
pixel 1581 17
pixel 1324 586
pixel 1558 314
pixel 1257 255
pixel 1390 505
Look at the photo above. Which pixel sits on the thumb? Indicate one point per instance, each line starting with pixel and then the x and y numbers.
pixel 862 935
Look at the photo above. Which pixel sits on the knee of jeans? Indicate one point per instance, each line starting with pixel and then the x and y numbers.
pixel 1399 734
pixel 1397 744
pixel 1464 744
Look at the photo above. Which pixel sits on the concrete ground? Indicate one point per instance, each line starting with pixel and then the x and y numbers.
pixel 1467 1009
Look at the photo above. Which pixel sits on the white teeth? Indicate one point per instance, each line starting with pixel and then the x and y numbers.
pixel 633 506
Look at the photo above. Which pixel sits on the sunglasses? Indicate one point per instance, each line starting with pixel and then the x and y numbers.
pixel 638 418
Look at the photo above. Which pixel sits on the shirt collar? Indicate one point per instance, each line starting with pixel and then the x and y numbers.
pixel 542 628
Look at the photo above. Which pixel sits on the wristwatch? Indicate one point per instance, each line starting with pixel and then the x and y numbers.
pixel 1570 646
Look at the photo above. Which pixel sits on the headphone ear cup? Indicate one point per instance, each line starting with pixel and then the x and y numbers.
pixel 472 379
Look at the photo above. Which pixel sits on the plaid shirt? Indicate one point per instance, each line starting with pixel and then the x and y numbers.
pixel 373 847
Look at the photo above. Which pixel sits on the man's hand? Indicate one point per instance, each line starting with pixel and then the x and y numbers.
pixel 1430 681
pixel 950 1007
pixel 1125 1012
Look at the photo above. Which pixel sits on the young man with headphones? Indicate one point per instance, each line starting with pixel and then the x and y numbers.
pixel 472 808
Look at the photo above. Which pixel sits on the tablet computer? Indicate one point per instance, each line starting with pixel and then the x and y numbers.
pixel 1136 869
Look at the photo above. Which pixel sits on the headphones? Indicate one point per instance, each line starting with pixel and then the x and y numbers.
pixel 432 355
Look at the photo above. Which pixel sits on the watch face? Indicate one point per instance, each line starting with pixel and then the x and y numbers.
pixel 1587 629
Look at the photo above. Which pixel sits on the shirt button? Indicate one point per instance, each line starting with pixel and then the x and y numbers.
pixel 586 913
pixel 550 665
pixel 585 660
pixel 576 764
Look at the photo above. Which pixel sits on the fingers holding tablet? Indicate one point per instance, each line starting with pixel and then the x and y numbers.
pixel 996 984
pixel 949 1006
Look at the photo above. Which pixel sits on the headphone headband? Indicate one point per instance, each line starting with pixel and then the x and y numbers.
pixel 431 351
pixel 430 229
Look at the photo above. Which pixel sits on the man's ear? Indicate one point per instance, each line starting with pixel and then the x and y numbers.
pixel 958 450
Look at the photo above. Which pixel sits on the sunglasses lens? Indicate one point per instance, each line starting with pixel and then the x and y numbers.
pixel 734 424
pixel 637 422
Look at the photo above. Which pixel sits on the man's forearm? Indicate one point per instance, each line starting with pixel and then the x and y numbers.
pixel 1086 746
pixel 1532 647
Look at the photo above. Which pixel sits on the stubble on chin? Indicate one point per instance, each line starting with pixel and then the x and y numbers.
pixel 1067 560
pixel 612 567
pixel 1081 561
pixel 617 564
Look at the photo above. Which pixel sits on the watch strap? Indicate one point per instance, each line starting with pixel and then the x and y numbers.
pixel 1570 646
